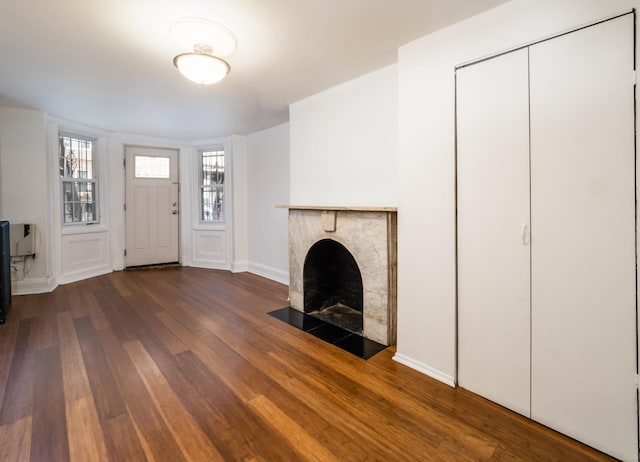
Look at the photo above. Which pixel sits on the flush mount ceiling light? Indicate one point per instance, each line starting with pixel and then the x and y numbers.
pixel 201 66
pixel 207 42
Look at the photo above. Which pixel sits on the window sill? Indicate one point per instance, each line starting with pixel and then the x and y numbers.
pixel 68 230
pixel 210 227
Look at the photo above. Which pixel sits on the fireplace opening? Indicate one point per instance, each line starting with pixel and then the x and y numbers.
pixel 332 286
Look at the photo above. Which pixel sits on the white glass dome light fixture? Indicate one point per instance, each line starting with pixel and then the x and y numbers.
pixel 209 42
pixel 201 66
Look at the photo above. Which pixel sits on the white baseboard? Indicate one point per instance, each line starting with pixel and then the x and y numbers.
pixel 84 274
pixel 206 264
pixel 426 370
pixel 240 267
pixel 269 272
pixel 33 286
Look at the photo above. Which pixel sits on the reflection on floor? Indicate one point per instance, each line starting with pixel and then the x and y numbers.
pixel 342 338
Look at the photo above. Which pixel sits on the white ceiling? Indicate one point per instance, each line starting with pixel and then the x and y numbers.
pixel 108 63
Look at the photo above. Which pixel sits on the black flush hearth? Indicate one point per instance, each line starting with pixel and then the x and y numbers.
pixel 337 336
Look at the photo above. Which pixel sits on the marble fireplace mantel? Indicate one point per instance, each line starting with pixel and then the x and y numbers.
pixel 370 235
pixel 338 209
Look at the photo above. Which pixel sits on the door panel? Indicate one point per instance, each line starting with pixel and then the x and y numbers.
pixel 141 205
pixel 493 223
pixel 583 240
pixel 164 232
pixel 151 206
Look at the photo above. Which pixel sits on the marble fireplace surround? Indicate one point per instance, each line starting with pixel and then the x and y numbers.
pixel 370 235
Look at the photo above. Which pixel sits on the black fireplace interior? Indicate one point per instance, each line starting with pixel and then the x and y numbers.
pixel 332 286
pixel 333 300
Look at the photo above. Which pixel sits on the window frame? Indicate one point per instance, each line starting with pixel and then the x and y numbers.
pixel 94 181
pixel 219 148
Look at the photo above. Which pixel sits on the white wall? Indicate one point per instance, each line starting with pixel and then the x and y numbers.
pixel 344 144
pixel 268 186
pixel 30 193
pixel 25 186
pixel 240 204
pixel 426 218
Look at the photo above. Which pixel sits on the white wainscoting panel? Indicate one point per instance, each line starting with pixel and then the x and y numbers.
pixel 84 255
pixel 210 249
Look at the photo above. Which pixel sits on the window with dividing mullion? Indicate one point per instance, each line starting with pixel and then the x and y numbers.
pixel 78 201
pixel 78 179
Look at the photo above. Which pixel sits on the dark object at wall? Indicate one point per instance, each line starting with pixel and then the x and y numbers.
pixel 5 271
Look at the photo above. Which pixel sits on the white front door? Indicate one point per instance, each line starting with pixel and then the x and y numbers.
pixel 151 206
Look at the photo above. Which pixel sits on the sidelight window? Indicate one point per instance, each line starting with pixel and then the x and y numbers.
pixel 212 171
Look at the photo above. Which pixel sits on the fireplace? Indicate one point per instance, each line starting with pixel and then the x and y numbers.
pixel 332 285
pixel 343 267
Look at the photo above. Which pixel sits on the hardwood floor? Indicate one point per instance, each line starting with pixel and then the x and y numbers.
pixel 185 364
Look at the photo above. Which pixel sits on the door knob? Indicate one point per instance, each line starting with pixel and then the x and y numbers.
pixel 174 204
pixel 174 212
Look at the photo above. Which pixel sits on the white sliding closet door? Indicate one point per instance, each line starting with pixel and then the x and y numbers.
pixel 493 224
pixel 583 236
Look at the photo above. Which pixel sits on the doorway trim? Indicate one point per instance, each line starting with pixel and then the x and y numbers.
pixel 177 208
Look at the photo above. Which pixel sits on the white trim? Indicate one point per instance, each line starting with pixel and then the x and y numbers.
pixel 423 368
pixel 543 39
pixel 209 142
pixel 53 238
pixel 83 228
pixel 129 153
pixel 99 153
pixel 240 267
pixel 225 226
pixel 269 272
pixel 85 274
pixel 142 141
pixel 213 226
pixel 70 127
pixel 33 286
pixel 200 146
pixel 217 265
pixel 116 146
pixel 185 159
pixel 200 223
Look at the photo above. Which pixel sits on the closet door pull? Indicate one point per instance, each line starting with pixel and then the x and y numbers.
pixel 525 235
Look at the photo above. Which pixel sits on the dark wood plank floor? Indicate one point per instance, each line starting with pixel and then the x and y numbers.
pixel 185 364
